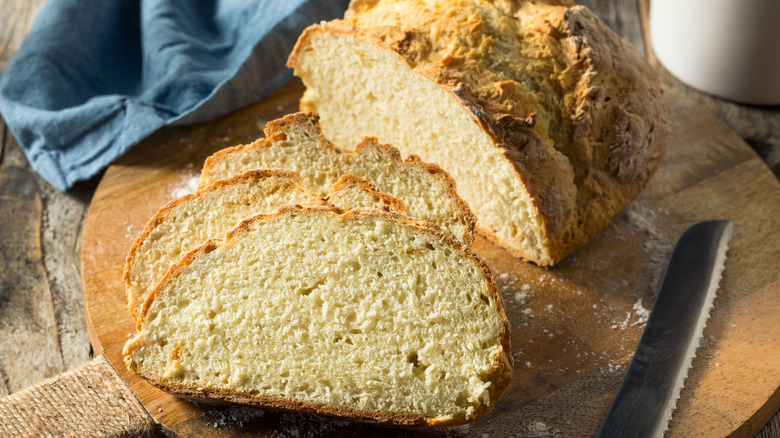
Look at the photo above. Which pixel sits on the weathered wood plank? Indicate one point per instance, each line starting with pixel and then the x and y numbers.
pixel 3 379
pixel 772 429
pixel 16 17
pixel 27 321
pixel 620 16
pixel 3 131
pixel 11 18
pixel 57 251
pixel 58 229
pixel 63 220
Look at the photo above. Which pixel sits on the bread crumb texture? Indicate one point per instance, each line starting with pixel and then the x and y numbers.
pixel 363 314
pixel 352 191
pixel 295 142
pixel 548 121
pixel 186 222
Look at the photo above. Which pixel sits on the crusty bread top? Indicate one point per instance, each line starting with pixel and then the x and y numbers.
pixel 296 142
pixel 463 329
pixel 575 110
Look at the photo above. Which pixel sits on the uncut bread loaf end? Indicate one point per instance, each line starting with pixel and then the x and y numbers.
pixel 548 121
pixel 295 142
pixel 363 314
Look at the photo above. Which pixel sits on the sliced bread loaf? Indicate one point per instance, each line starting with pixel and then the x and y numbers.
pixel 363 314
pixel 295 142
pixel 210 212
pixel 352 191
pixel 548 121
pixel 189 221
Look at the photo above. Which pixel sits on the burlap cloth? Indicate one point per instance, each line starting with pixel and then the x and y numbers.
pixel 90 401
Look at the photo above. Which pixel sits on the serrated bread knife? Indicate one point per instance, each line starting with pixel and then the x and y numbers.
pixel 644 403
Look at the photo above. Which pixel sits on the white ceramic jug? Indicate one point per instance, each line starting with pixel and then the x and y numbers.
pixel 728 48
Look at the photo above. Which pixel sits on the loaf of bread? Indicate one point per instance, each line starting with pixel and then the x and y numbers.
pixel 363 314
pixel 187 222
pixel 352 191
pixel 548 121
pixel 295 142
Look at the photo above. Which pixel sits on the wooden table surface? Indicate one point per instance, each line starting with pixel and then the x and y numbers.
pixel 43 331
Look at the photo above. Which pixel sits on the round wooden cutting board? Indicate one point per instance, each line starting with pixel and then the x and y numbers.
pixel 574 326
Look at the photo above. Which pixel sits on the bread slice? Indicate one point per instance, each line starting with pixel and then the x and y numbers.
pixel 210 212
pixel 189 221
pixel 352 191
pixel 295 142
pixel 547 120
pixel 363 314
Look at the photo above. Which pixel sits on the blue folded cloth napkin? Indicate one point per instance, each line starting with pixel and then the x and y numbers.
pixel 94 77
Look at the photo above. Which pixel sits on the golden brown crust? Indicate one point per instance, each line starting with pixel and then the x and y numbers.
pixel 161 215
pixel 504 360
pixel 297 406
pixel 618 123
pixel 576 112
pixel 276 130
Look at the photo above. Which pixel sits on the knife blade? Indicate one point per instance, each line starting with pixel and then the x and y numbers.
pixel 648 394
